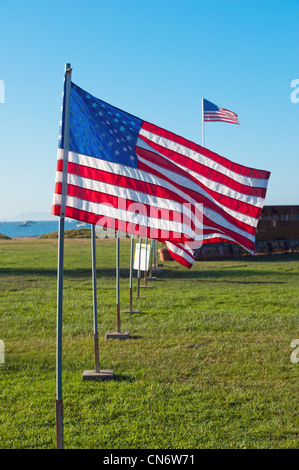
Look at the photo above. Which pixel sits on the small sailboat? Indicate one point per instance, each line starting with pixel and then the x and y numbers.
pixel 26 223
pixel 82 224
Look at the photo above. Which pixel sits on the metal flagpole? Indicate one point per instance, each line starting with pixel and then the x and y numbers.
pixel 156 270
pixel 145 270
pixel 59 401
pixel 118 334
pixel 131 279
pixel 151 259
pixel 95 307
pixel 131 272
pixel 138 272
pixel 145 286
pixel 96 374
pixel 203 124
pixel 151 278
pixel 117 286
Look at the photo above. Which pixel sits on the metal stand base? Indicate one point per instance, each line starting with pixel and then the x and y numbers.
pixel 151 278
pixel 59 424
pixel 94 375
pixel 116 335
pixel 146 287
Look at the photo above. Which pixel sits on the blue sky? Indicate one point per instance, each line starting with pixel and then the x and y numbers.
pixel 156 59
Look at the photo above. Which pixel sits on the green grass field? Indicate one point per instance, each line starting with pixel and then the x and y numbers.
pixel 207 365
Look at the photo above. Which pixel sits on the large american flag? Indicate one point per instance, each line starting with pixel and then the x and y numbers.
pixel 128 174
pixel 213 113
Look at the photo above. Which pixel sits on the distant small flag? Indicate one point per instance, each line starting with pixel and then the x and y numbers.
pixel 214 113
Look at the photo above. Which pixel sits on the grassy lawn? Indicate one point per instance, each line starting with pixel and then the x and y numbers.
pixel 207 365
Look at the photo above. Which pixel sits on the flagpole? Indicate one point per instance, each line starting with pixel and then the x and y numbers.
pixel 138 272
pixel 131 279
pixel 203 124
pixel 145 270
pixel 131 272
pixel 95 374
pixel 59 401
pixel 145 286
pixel 95 307
pixel 151 259
pixel 117 286
pixel 118 334
pixel 156 270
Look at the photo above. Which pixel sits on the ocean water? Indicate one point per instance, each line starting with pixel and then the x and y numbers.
pixel 34 228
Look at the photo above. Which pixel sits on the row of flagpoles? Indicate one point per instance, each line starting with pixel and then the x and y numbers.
pixel 98 373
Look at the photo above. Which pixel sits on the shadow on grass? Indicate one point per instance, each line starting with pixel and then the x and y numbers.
pixel 68 273
pixel 238 276
pixel 232 273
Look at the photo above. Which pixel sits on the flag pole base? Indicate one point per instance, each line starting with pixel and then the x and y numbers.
pixel 102 374
pixel 59 424
pixel 139 298
pixel 131 304
pixel 117 335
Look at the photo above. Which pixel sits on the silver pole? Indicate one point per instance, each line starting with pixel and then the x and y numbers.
pixel 156 255
pixel 117 285
pixel 131 261
pixel 59 402
pixel 131 278
pixel 145 268
pixel 151 259
pixel 203 124
pixel 139 263
pixel 95 306
pixel 131 272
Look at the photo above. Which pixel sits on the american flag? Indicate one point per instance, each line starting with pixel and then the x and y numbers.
pixel 213 113
pixel 125 173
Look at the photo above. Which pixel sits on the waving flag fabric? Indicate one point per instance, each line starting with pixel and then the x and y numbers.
pixel 213 113
pixel 134 176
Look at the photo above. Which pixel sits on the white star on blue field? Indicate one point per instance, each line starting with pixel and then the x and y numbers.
pixel 100 130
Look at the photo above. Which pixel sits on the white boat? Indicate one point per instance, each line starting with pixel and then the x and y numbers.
pixel 82 224
pixel 26 223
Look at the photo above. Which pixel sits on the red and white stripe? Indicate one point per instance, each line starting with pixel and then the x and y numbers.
pixel 222 199
pixel 221 115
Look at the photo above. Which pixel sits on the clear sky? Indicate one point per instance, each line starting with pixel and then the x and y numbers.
pixel 155 59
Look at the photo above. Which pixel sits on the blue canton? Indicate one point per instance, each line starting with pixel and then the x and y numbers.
pixel 100 130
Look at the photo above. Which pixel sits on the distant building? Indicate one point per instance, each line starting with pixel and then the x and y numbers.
pixel 278 223
pixel 277 232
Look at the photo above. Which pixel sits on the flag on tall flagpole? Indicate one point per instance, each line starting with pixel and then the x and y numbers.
pixel 128 174
pixel 213 113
